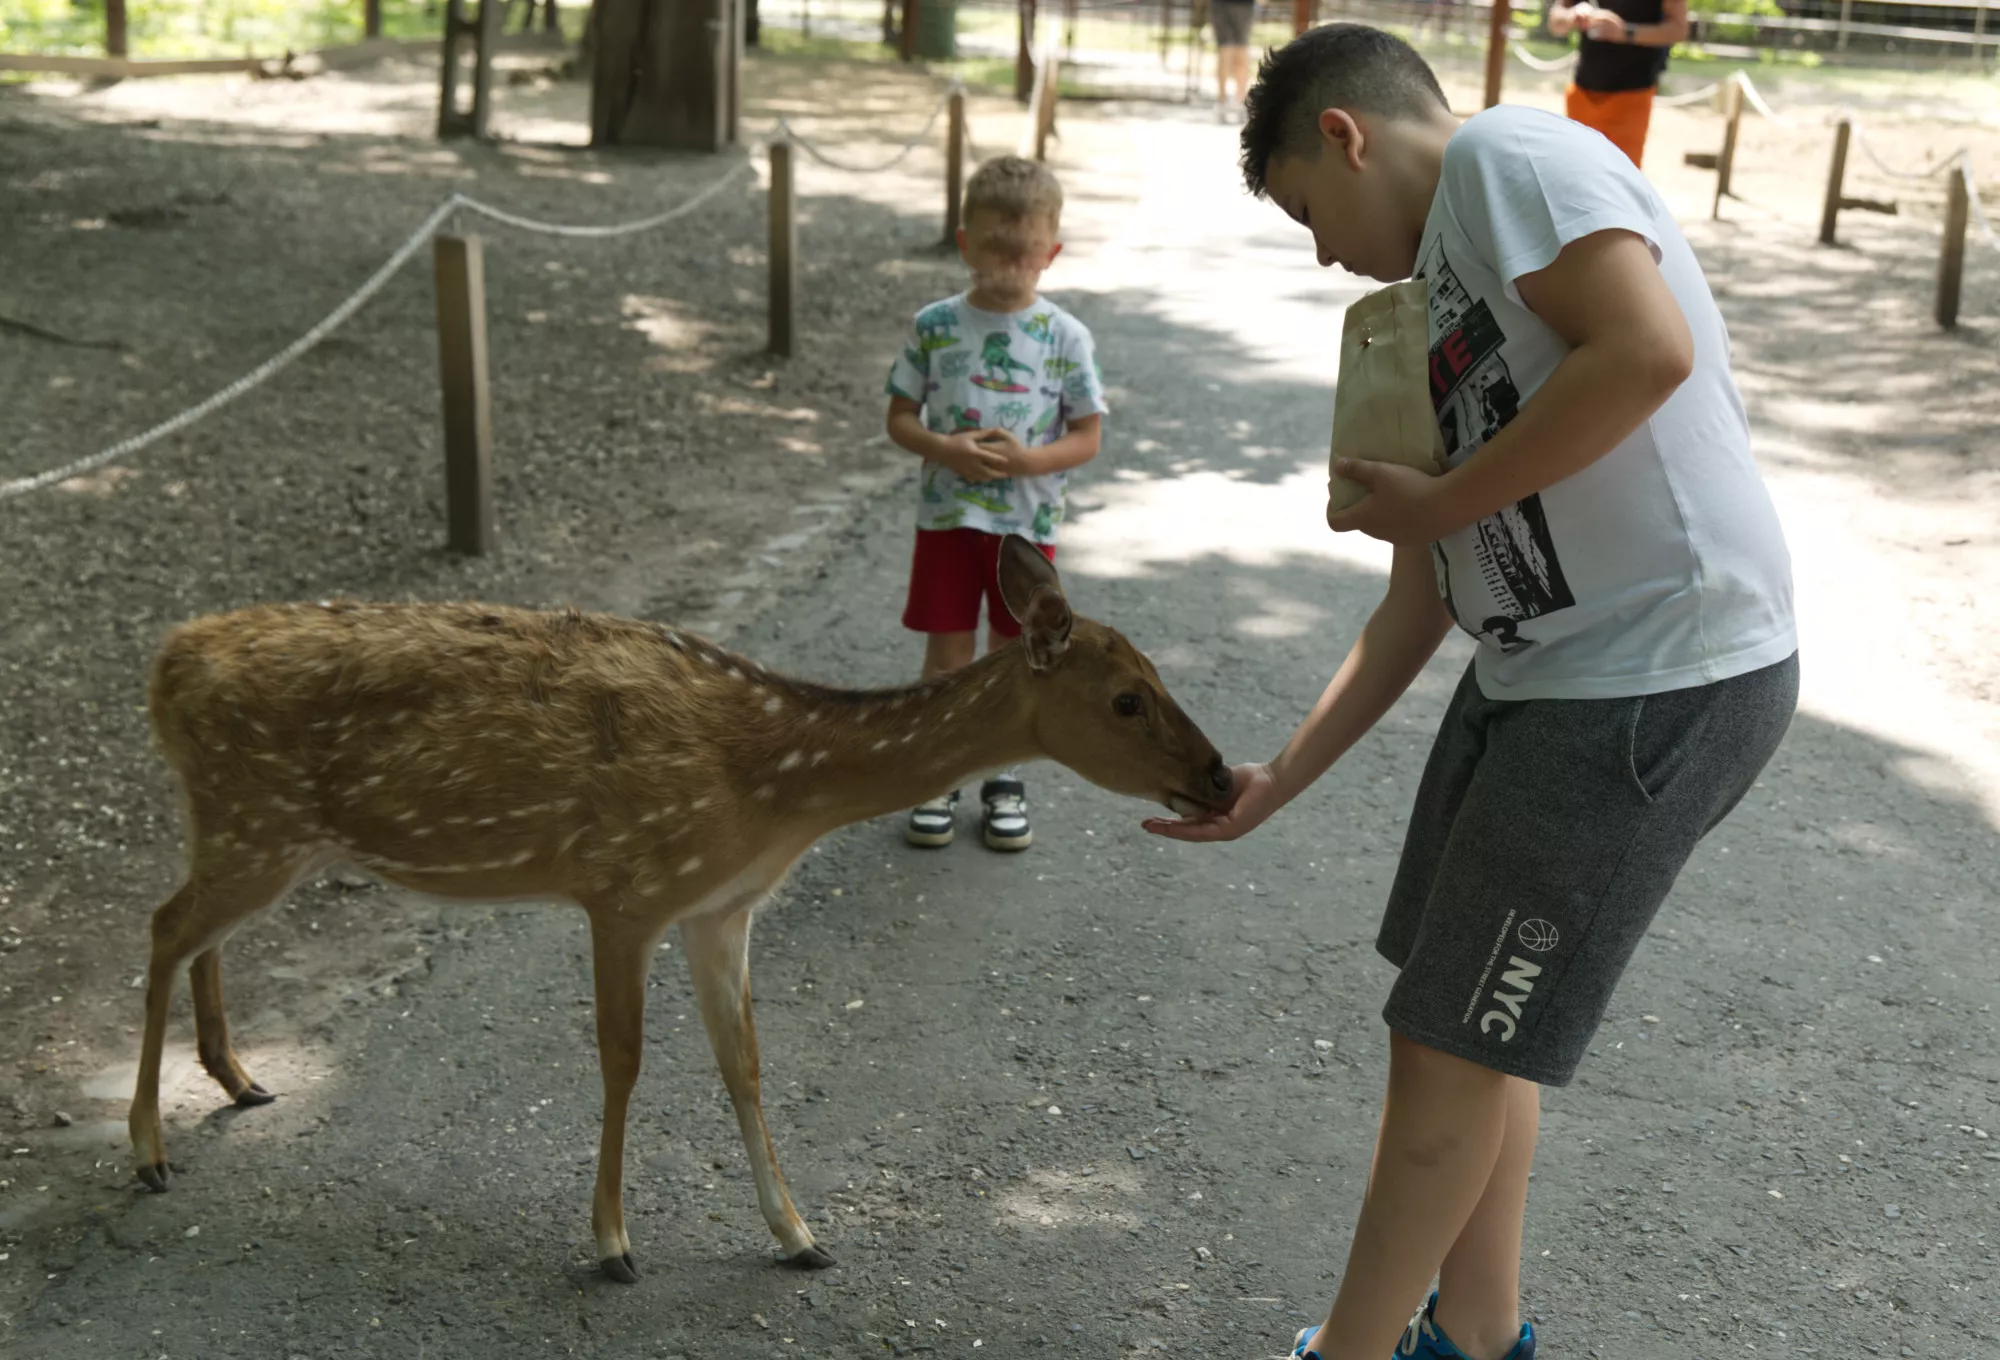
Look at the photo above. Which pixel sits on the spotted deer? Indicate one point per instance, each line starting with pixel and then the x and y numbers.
pixel 641 772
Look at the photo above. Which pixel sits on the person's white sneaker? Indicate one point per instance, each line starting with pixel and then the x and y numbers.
pixel 933 823
pixel 1005 823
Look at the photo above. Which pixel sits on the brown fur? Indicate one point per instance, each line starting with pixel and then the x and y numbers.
pixel 648 775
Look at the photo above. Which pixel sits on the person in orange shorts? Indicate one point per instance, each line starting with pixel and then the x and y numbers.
pixel 1622 48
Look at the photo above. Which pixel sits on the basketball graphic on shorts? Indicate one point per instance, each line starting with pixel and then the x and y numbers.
pixel 1538 935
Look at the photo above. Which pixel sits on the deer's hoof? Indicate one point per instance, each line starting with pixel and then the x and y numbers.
pixel 252 1096
pixel 154 1177
pixel 812 1258
pixel 621 1268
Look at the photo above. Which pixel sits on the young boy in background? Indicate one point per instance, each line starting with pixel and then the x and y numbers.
pixel 997 390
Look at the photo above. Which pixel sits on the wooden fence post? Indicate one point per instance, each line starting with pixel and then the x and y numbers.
pixel 1834 179
pixel 1301 16
pixel 371 18
pixel 1046 77
pixel 1496 51
pixel 114 28
pixel 1726 162
pixel 468 416
pixel 784 251
pixel 954 166
pixel 1951 258
pixel 1024 61
pixel 906 47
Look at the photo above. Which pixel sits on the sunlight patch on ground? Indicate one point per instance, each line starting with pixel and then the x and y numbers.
pixel 1873 660
pixel 1134 527
pixel 1054 1199
pixel 187 1090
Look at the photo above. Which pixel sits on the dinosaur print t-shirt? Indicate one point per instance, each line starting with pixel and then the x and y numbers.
pixel 1662 565
pixel 1030 372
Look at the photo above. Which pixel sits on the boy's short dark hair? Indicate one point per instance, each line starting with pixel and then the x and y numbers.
pixel 1334 66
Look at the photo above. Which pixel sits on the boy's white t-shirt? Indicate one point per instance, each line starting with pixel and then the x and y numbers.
pixel 1031 372
pixel 1660 566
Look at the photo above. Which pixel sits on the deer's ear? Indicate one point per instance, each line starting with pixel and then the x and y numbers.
pixel 1025 571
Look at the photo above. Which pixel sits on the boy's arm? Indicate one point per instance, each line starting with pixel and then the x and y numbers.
pixel 1399 637
pixel 1630 348
pixel 906 427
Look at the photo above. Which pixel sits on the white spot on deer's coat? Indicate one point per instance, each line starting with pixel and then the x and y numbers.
pixel 791 761
pixel 819 759
pixel 773 704
pixel 698 804
pixel 879 745
pixel 765 792
pixel 409 815
pixel 521 857
pixel 689 866
pixel 486 821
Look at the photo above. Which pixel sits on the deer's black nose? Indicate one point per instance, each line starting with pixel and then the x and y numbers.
pixel 1221 779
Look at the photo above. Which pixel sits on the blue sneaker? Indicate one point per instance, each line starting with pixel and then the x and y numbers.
pixel 1422 1340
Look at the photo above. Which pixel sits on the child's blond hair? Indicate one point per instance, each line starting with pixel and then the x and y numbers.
pixel 1010 191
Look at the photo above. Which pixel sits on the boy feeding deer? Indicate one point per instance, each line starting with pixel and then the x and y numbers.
pixel 1600 528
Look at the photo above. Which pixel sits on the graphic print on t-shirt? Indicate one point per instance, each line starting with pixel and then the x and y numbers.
pixel 1475 396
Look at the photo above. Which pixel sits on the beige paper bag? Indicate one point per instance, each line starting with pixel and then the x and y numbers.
pixel 1382 404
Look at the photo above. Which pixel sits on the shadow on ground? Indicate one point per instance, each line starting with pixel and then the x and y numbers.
pixel 1112 1094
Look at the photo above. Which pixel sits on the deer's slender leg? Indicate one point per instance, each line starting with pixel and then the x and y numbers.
pixel 220 891
pixel 211 1031
pixel 620 957
pixel 718 950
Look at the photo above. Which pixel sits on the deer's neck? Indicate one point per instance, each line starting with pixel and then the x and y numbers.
pixel 863 754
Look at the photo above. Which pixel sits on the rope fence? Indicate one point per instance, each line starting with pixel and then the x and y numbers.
pixel 460 271
pixel 1962 207
pixel 461 311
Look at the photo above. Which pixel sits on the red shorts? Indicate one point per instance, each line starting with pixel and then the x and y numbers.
pixel 949 572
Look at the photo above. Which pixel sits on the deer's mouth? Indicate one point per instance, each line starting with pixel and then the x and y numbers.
pixel 1183 805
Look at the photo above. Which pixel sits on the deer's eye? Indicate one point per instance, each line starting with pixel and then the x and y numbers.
pixel 1128 705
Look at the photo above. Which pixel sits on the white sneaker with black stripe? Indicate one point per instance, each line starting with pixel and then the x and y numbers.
pixel 933 823
pixel 1005 820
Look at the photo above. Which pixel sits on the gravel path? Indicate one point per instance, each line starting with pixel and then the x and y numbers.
pixel 1108 1097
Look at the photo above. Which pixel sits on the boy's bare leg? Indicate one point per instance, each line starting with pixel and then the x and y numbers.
pixel 947 652
pixel 1444 1123
pixel 1479 1284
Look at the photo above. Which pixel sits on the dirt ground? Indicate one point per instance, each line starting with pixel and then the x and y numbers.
pixel 1111 1098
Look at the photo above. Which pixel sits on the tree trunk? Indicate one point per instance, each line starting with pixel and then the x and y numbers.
pixel 750 24
pixel 661 73
pixel 114 28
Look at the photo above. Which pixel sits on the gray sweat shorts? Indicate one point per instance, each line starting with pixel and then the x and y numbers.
pixel 1232 20
pixel 1545 834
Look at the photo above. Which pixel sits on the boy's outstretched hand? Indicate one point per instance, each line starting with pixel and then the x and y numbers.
pixel 1254 798
pixel 1403 505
